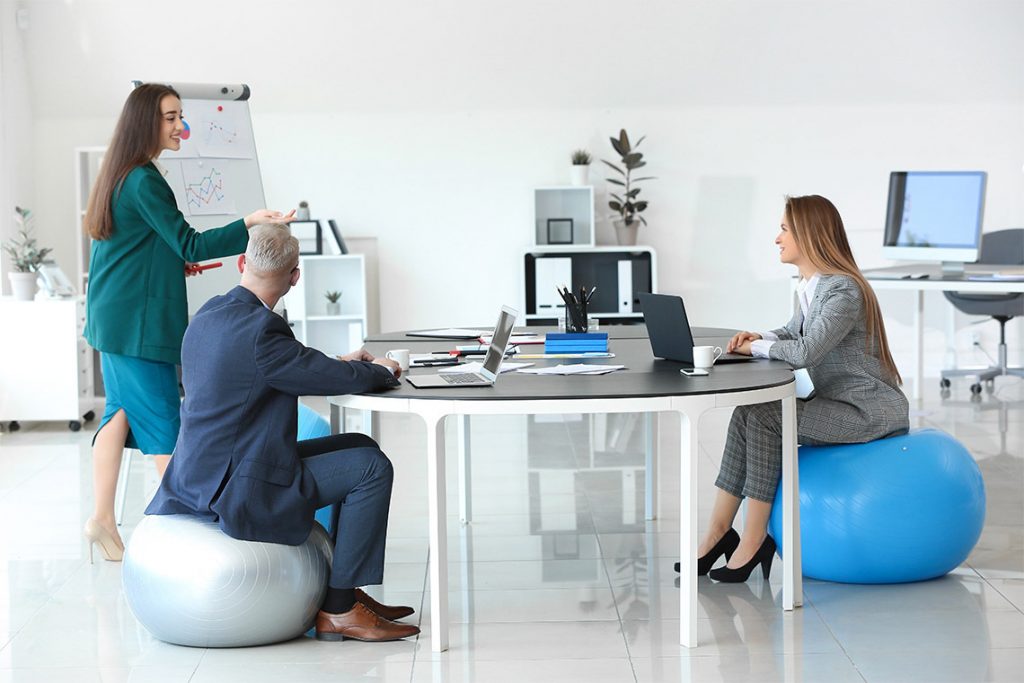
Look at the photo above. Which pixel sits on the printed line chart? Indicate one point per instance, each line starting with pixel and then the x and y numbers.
pixel 205 190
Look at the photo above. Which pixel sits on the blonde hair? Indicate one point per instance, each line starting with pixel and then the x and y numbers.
pixel 819 233
pixel 272 249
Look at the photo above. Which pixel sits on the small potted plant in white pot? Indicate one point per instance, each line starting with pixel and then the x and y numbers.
pixel 333 305
pixel 580 167
pixel 26 257
pixel 627 207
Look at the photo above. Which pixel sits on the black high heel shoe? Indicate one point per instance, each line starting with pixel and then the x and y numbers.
pixel 726 546
pixel 764 556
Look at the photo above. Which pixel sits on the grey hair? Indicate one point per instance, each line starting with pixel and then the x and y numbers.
pixel 272 248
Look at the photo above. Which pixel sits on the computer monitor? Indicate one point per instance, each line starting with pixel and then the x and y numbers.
pixel 935 216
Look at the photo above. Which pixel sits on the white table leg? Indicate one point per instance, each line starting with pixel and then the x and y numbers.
pixel 465 471
pixel 688 457
pixel 438 533
pixel 651 457
pixel 792 569
pixel 371 424
pixel 918 344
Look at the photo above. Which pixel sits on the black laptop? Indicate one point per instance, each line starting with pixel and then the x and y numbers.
pixel 669 330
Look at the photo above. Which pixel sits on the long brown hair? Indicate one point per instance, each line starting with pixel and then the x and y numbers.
pixel 136 141
pixel 819 234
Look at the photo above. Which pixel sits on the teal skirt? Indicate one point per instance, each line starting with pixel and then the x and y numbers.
pixel 147 391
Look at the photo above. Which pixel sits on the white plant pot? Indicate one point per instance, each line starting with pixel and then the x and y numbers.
pixel 334 308
pixel 23 285
pixel 626 235
pixel 580 175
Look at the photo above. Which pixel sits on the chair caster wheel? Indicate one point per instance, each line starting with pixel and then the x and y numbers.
pixel 88 417
pixel 74 425
pixel 976 389
pixel 14 426
pixel 945 383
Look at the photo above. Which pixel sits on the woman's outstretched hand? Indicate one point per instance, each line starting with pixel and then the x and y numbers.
pixel 268 216
pixel 740 343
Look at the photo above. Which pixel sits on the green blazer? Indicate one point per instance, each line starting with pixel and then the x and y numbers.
pixel 136 305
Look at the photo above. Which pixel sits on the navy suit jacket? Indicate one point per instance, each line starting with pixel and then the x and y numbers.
pixel 236 460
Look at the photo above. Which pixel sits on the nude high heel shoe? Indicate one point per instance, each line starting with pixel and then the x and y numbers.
pixel 110 546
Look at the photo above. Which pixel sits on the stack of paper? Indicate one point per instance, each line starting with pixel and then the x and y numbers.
pixel 478 366
pixel 576 369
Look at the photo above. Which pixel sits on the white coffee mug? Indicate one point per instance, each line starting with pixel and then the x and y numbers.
pixel 705 356
pixel 400 356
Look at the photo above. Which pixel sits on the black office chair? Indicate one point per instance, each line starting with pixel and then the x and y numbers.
pixel 1002 248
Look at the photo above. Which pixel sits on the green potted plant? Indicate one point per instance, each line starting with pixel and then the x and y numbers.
pixel 580 167
pixel 26 257
pixel 333 305
pixel 627 207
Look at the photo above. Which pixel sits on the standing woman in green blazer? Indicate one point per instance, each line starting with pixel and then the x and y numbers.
pixel 136 307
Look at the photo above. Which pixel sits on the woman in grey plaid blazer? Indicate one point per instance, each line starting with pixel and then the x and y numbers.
pixel 838 336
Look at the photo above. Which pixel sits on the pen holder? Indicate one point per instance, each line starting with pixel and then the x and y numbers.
pixel 566 325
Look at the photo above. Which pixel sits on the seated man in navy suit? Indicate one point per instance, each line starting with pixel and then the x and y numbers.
pixel 237 461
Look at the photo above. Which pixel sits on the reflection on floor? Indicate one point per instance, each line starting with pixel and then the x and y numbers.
pixel 558 578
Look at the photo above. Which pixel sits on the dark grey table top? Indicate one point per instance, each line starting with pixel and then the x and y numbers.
pixel 614 332
pixel 644 376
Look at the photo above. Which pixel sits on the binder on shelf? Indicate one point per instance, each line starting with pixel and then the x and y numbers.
pixel 625 286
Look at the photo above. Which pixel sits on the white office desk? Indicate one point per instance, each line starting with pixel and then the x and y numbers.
pixel 938 283
pixel 647 386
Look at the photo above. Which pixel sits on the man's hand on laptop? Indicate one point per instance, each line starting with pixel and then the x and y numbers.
pixel 391 365
pixel 741 343
pixel 361 354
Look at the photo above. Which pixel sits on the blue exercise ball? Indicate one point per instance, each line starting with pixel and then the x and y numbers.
pixel 191 584
pixel 311 424
pixel 906 508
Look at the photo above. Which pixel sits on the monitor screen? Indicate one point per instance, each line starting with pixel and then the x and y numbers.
pixel 935 215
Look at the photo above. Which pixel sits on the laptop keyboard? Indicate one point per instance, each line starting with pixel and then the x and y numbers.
pixel 461 378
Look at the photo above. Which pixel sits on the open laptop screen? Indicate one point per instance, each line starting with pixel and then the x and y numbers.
pixel 502 332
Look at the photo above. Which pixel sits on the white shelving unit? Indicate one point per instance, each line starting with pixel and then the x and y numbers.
pixel 87 166
pixel 555 207
pixel 619 273
pixel 307 305
pixel 47 372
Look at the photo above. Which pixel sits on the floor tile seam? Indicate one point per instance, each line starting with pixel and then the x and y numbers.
pixel 1016 608
pixel 424 587
pixel 832 633
pixel 196 669
pixel 49 598
pixel 604 566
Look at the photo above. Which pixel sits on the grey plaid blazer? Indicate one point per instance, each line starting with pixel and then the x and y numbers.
pixel 854 400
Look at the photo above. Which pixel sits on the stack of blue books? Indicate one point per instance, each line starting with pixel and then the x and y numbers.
pixel 576 342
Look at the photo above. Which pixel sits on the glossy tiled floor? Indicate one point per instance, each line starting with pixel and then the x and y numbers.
pixel 558 578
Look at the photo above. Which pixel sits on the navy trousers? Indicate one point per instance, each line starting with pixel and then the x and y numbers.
pixel 354 477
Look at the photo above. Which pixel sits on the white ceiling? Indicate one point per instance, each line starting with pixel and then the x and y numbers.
pixel 322 55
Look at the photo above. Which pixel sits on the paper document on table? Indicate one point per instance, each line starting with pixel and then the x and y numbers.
pixel 576 369
pixel 488 339
pixel 448 333
pixel 478 366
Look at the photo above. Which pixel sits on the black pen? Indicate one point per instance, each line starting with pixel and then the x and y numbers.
pixel 591 293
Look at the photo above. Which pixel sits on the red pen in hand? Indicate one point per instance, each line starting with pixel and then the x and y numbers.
pixel 198 268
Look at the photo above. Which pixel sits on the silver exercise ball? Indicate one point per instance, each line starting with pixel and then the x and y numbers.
pixel 189 583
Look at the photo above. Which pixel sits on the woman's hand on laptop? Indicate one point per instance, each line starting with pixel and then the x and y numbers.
pixel 740 343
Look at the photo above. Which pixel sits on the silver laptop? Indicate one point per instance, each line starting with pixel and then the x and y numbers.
pixel 492 360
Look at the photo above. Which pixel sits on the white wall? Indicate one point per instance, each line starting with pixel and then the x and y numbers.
pixel 16 169
pixel 428 124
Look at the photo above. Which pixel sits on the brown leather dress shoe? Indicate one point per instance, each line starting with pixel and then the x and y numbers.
pixel 394 613
pixel 359 623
